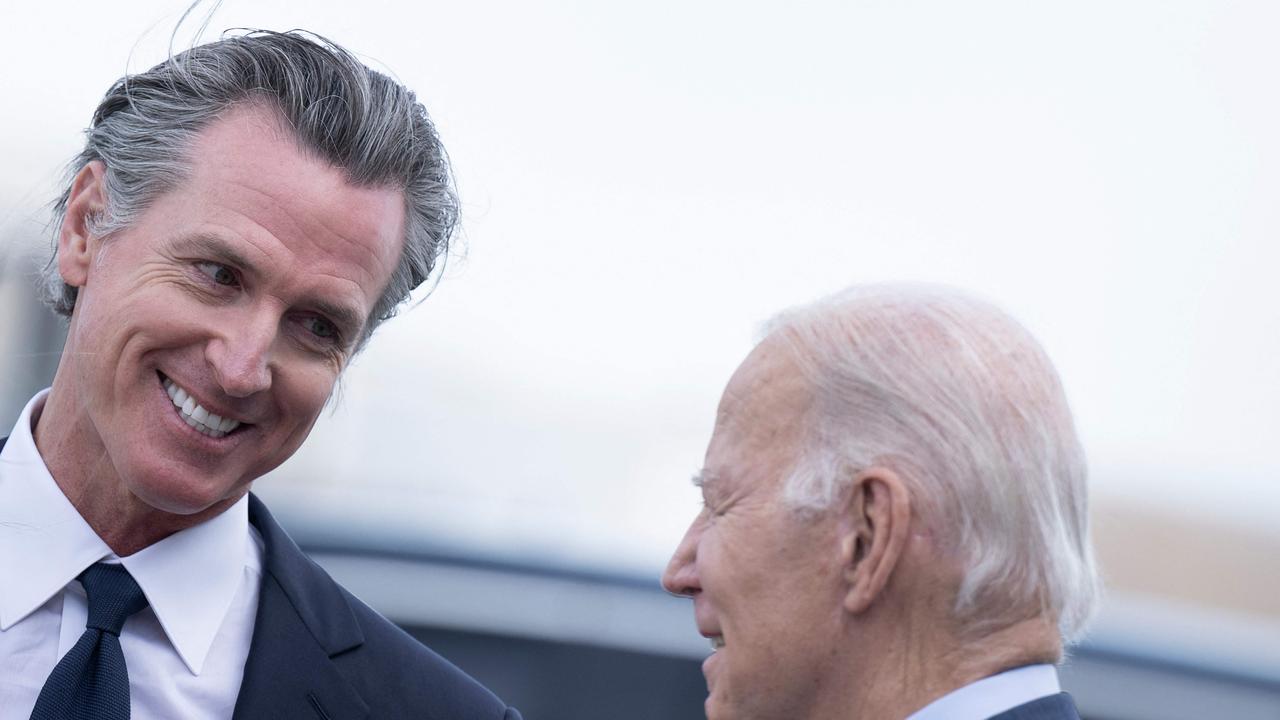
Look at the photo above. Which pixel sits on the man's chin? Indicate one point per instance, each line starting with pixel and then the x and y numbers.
pixel 718 706
pixel 715 709
pixel 187 497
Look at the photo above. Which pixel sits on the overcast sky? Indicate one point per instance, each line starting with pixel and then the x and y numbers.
pixel 645 183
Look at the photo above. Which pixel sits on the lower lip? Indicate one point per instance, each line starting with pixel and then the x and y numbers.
pixel 708 664
pixel 190 434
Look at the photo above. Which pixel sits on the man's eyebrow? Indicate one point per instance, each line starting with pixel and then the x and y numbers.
pixel 215 248
pixel 703 478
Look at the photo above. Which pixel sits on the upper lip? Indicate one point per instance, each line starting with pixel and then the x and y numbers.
pixel 717 639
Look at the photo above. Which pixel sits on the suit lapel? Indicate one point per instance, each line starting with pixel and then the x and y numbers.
pixel 303 620
pixel 288 675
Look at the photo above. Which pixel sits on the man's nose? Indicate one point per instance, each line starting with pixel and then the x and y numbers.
pixel 681 575
pixel 241 355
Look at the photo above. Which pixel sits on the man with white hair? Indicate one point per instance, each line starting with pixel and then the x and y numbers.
pixel 894 521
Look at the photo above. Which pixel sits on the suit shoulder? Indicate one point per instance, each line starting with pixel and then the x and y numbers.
pixel 396 676
pixel 426 684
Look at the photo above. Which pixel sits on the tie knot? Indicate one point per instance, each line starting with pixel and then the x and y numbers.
pixel 113 596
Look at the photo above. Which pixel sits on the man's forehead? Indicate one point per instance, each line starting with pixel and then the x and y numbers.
pixel 759 423
pixel 249 151
pixel 766 387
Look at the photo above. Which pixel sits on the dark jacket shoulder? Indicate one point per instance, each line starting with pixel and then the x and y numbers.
pixel 318 652
pixel 422 680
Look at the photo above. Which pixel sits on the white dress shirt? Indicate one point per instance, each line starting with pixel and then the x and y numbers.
pixel 185 652
pixel 994 695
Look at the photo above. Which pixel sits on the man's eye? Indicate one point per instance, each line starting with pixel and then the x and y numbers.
pixel 220 274
pixel 320 327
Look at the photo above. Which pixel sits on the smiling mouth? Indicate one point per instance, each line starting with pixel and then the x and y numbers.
pixel 717 642
pixel 200 419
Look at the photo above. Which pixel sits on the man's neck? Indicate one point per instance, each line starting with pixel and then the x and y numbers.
pixel 931 663
pixel 79 464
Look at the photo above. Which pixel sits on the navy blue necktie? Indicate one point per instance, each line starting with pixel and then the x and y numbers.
pixel 91 681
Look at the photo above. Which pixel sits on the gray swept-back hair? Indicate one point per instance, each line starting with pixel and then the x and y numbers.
pixel 352 117
pixel 963 403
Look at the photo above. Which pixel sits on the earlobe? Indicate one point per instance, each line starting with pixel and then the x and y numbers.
pixel 874 535
pixel 86 201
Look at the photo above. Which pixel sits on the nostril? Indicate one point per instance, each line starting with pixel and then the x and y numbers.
pixel 679 582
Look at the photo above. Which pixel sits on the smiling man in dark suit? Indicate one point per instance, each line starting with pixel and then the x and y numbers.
pixel 894 520
pixel 241 218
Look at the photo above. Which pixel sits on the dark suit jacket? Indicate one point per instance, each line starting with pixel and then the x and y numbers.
pixel 318 653
pixel 1052 707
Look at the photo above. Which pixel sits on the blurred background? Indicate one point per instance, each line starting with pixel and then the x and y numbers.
pixel 506 469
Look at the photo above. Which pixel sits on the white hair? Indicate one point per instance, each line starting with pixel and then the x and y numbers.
pixel 959 399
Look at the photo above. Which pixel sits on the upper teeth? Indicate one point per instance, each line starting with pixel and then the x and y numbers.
pixel 196 416
pixel 717 642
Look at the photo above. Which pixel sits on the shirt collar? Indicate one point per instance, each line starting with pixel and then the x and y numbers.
pixel 45 541
pixel 991 696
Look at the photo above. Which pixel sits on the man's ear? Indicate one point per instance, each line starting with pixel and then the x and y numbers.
pixel 86 202
pixel 874 533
